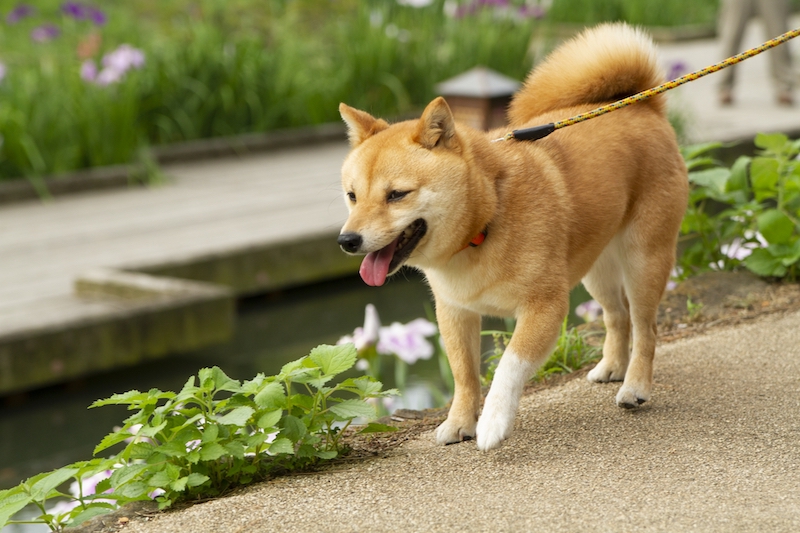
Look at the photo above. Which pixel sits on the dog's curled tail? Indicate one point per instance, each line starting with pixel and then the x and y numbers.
pixel 601 65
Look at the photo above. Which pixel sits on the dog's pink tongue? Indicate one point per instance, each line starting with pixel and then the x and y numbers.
pixel 375 266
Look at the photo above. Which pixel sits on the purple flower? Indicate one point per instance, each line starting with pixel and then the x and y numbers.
pixel 3 71
pixel 677 69
pixel 589 311
pixel 19 13
pixel 80 11
pixel 75 10
pixel 44 33
pixel 97 16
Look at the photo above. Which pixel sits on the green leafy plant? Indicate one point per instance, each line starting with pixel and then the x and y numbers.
pixel 213 435
pixel 748 214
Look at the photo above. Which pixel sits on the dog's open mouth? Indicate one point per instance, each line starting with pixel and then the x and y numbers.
pixel 377 266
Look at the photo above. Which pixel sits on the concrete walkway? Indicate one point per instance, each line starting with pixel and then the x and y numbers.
pixel 716 449
pixel 253 223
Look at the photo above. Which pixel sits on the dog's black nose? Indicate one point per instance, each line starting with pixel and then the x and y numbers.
pixel 350 242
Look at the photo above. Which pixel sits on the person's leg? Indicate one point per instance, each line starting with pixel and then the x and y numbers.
pixel 734 15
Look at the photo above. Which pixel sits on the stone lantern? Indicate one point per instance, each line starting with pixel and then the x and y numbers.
pixel 479 97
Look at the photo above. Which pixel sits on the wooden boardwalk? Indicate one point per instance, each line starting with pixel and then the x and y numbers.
pixel 207 208
pixel 218 209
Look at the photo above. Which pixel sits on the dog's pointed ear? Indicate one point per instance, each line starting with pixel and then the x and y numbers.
pixel 360 125
pixel 436 126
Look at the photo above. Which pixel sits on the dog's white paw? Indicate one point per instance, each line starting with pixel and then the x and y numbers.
pixel 452 431
pixel 605 372
pixel 496 423
pixel 631 396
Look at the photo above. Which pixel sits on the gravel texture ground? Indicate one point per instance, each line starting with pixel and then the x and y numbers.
pixel 716 449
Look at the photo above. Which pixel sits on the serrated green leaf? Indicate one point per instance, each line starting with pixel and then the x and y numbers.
pixel 222 382
pixel 237 417
pixel 363 386
pixel 775 143
pixel 696 150
pixel 212 451
pixel 334 359
pixel 763 263
pixel 290 367
pixel 269 419
pixel 111 439
pixel 715 180
pixel 252 386
pixel 90 512
pixel 123 398
pixel 44 486
pixel 235 449
pixel 764 176
pixel 195 479
pixel 353 409
pixel 210 432
pixel 281 445
pixel 272 396
pixel 738 177
pixel 179 485
pixel 326 454
pixel 257 439
pixel 292 428
pixel 126 474
pixel 12 501
pixel 775 226
pixel 160 479
pixel 134 490
pixel 374 427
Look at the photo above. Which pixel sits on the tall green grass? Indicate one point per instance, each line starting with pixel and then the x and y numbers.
pixel 217 67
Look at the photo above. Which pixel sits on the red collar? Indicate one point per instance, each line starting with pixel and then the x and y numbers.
pixel 478 239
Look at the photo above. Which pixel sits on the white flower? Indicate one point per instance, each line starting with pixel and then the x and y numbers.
pixel 408 341
pixel 115 64
pixel 741 249
pixel 415 3
pixel 589 311
pixel 367 335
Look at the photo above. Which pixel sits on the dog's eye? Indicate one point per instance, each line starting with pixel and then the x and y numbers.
pixel 396 195
pixel 351 196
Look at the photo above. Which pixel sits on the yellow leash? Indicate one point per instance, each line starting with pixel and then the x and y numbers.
pixel 538 132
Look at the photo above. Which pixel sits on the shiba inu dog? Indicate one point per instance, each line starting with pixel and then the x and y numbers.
pixel 600 201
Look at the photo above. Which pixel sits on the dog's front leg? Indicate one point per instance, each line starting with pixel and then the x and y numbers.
pixel 534 338
pixel 460 330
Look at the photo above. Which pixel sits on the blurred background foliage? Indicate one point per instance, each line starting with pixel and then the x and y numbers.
pixel 224 67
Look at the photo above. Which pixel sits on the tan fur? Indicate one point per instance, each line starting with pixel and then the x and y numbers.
pixel 600 201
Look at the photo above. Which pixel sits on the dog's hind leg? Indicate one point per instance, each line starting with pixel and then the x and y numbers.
pixel 649 260
pixel 460 330
pixel 605 283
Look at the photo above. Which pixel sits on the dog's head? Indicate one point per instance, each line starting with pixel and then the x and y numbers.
pixel 405 186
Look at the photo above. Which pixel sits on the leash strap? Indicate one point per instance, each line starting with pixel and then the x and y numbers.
pixel 539 132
